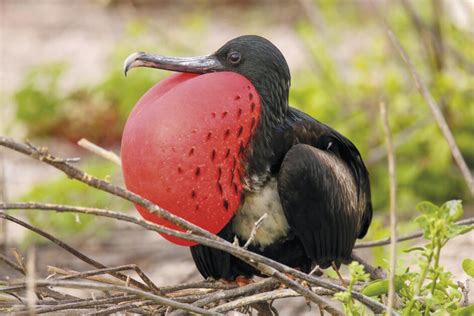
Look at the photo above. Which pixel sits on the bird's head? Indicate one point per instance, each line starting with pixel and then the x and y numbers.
pixel 252 56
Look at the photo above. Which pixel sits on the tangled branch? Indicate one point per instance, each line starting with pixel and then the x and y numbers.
pixel 283 274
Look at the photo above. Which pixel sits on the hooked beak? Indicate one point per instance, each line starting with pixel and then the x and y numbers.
pixel 200 64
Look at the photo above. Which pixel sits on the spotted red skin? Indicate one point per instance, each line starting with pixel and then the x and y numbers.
pixel 183 145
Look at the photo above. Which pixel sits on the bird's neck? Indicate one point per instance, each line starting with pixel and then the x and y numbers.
pixel 274 109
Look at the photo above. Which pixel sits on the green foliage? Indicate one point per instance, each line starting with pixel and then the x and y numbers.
pixel 71 192
pixel 357 274
pixel 39 99
pixel 380 287
pixel 429 287
pixel 468 266
pixel 433 287
pixel 48 109
pixel 353 68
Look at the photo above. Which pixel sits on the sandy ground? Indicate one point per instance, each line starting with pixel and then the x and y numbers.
pixel 83 33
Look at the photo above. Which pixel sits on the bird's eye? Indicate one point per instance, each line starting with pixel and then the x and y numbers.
pixel 234 57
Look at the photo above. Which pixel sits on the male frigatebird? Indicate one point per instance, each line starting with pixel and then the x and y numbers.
pixel 308 178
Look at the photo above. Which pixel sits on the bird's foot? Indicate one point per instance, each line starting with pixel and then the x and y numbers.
pixel 240 281
pixel 243 281
pixel 334 266
pixel 291 277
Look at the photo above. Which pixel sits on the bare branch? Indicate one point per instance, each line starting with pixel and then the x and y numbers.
pixel 193 233
pixel 375 272
pixel 265 284
pixel 320 301
pixel 134 267
pixel 386 241
pixel 256 227
pixel 11 263
pixel 110 287
pixel 437 113
pixel 30 281
pixel 247 256
pixel 393 205
pixel 86 303
pixel 3 197
pixel 121 308
pixel 43 155
pixel 69 249
pixel 206 284
pixel 99 151
pixel 264 297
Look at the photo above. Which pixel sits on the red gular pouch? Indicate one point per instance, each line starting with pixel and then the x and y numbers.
pixel 183 145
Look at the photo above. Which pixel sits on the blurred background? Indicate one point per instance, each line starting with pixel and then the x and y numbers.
pixel 62 80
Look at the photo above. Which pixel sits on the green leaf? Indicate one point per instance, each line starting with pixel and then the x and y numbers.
pixel 465 311
pixel 379 287
pixel 468 266
pixel 456 230
pixel 414 249
pixel 453 208
pixel 426 207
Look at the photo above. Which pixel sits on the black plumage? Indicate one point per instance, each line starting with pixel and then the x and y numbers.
pixel 309 178
pixel 319 174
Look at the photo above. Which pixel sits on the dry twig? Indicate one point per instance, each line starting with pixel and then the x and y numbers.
pixel 393 205
pixel 435 109
pixel 387 241
pixel 110 287
pixel 69 249
pixel 256 227
pixel 193 232
pixel 106 154
pixel 237 251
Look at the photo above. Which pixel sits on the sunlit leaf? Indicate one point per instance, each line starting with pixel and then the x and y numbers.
pixel 468 266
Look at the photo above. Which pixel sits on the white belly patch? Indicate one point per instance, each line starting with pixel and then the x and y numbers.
pixel 273 227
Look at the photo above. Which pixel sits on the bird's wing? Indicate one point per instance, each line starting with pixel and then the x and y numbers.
pixel 324 188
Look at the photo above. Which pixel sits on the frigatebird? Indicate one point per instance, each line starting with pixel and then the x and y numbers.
pixel 308 178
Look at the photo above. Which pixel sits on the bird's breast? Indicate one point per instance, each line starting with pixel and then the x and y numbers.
pixel 184 147
pixel 274 227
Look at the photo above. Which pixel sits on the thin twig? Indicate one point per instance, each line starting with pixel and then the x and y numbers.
pixel 319 300
pixel 438 45
pixel 69 249
pixel 64 275
pixel 134 267
pixel 11 263
pixel 465 287
pixel 376 273
pixel 435 109
pixel 110 287
pixel 85 303
pixel 3 198
pixel 30 281
pixel 43 155
pixel 387 241
pixel 99 151
pixel 144 224
pixel 313 15
pixel 193 233
pixel 265 284
pixel 402 137
pixel 44 292
pixel 256 227
pixel 237 251
pixel 393 205
pixel 197 285
pixel 122 308
pixel 264 297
